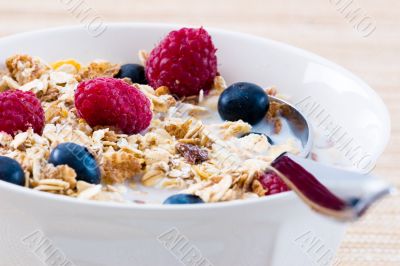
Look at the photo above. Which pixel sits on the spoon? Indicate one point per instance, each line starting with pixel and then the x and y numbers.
pixel 342 194
pixel 295 125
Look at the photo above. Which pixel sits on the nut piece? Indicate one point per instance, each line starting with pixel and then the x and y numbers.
pixel 7 83
pixel 143 56
pixel 24 68
pixel 271 91
pixel 179 129
pixel 63 172
pixel 51 95
pixel 192 153
pixel 234 129
pixel 119 166
pixel 98 69
pixel 160 99
pixel 219 84
pixel 163 90
pixel 257 188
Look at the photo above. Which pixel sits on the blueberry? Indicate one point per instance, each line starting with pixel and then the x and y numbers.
pixel 133 71
pixel 245 101
pixel 258 133
pixel 78 158
pixel 11 171
pixel 183 199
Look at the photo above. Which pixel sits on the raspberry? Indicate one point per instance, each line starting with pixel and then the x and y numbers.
pixel 184 61
pixel 113 102
pixel 272 183
pixel 20 111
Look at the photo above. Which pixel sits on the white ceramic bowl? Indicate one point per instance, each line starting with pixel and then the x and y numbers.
pixel 277 230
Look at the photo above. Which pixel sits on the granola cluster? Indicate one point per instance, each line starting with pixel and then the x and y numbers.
pixel 183 149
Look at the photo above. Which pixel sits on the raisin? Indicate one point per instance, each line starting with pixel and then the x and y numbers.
pixel 192 153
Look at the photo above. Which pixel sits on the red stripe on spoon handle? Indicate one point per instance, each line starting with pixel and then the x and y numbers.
pixel 305 184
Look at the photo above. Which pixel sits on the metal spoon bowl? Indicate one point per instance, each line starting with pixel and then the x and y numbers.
pixel 294 125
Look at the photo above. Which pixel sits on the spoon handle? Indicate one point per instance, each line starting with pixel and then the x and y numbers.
pixel 341 194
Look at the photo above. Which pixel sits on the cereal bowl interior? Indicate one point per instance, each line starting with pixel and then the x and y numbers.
pixel 275 230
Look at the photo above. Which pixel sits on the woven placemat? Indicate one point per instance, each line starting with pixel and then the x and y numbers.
pixel 375 239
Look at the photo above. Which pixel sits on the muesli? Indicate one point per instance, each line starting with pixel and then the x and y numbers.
pixel 110 130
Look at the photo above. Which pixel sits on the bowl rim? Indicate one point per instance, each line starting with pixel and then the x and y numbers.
pixel 281 197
